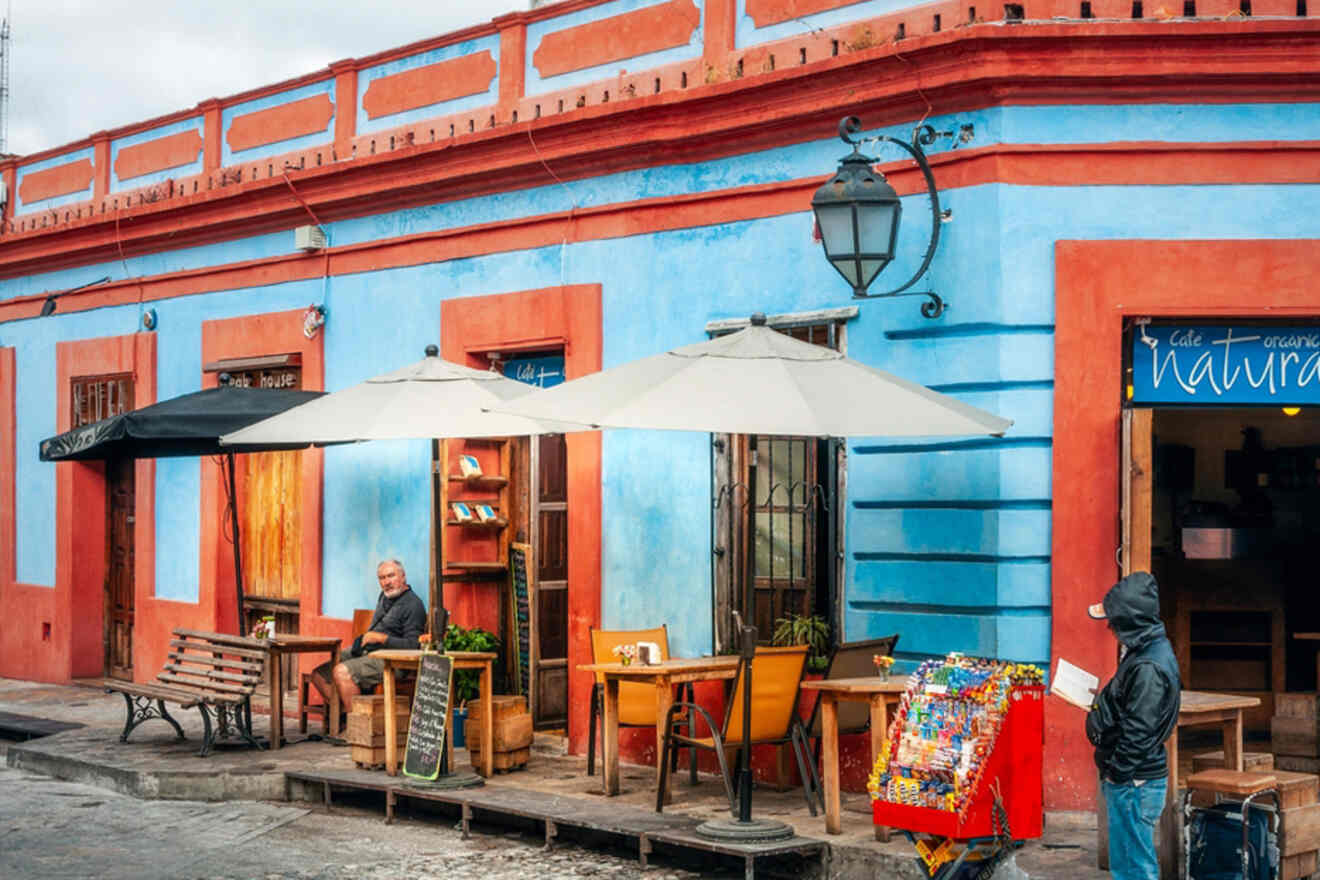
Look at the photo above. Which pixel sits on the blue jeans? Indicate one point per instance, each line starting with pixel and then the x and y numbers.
pixel 1133 812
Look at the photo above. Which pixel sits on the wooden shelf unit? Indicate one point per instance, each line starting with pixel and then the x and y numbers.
pixel 485 488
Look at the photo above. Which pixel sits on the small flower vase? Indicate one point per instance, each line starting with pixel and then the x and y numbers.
pixel 882 673
pixel 625 660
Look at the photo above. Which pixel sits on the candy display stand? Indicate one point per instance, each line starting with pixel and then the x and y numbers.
pixel 998 801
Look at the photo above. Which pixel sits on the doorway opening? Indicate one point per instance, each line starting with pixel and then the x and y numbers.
pixel 94 398
pixel 1235 512
pixel 269 489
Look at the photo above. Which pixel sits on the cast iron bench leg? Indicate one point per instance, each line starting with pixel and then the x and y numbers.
pixel 207 736
pixel 139 709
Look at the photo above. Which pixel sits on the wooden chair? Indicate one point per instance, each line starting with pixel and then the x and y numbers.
pixel 850 660
pixel 636 701
pixel 776 680
pixel 361 622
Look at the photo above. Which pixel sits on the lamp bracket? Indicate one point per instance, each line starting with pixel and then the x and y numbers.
pixel 927 134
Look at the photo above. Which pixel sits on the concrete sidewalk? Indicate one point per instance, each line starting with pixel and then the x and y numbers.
pixel 154 764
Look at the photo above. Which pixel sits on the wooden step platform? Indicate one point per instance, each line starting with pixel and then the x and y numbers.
pixel 644 827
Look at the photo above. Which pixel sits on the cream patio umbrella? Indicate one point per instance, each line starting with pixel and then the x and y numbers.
pixel 433 398
pixel 756 381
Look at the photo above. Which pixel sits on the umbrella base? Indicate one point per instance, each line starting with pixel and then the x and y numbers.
pixel 447 782
pixel 751 831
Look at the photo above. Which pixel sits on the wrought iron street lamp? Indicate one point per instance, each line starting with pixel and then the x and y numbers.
pixel 858 214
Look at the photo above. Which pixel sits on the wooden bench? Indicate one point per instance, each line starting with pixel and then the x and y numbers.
pixel 212 671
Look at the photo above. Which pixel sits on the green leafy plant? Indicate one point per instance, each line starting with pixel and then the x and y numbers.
pixel 467 681
pixel 805 629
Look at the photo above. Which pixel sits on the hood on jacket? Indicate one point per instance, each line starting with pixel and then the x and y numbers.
pixel 1133 608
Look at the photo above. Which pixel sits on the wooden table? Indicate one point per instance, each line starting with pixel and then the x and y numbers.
pixel 879 693
pixel 280 647
pixel 664 676
pixel 479 660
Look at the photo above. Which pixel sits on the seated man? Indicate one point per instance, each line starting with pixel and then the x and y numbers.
pixel 399 619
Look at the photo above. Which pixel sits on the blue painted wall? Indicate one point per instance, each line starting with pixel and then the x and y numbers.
pixel 947 542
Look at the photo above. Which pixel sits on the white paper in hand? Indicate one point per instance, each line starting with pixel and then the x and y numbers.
pixel 1074 684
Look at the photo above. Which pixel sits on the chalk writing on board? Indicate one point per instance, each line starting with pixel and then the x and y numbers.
pixel 519 563
pixel 430 717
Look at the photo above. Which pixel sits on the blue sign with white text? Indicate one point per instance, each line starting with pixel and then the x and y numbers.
pixel 543 371
pixel 1226 365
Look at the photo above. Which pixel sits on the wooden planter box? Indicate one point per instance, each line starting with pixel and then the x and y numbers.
pixel 512 736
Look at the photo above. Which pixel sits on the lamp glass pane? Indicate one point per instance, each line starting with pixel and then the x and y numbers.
pixel 848 268
pixel 876 225
pixel 836 228
pixel 870 269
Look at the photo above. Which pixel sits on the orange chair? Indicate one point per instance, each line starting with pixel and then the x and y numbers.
pixel 636 701
pixel 776 679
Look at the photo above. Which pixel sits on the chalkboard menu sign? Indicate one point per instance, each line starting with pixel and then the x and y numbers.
pixel 520 560
pixel 430 717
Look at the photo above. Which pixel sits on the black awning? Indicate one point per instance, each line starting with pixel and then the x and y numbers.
pixel 190 424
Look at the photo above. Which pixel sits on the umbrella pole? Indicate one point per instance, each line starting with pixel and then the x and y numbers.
pixel 746 829
pixel 238 553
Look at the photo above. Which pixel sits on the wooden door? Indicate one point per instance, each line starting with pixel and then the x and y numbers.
pixel 550 606
pixel 91 399
pixel 270 522
pixel 120 492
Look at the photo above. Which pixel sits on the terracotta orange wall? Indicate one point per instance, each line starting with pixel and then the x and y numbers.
pixel 75 609
pixel 254 336
pixel 1098 285
pixel 541 319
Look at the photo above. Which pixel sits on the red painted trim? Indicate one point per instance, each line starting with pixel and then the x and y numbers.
pixel 955 70
pixel 721 26
pixel 171 151
pixel 253 336
pixel 346 87
pixel 101 159
pixel 280 123
pixel 574 314
pixel 1097 285
pixel 767 12
pixel 76 648
pixel 432 84
pixel 58 180
pixel 212 128
pixel 1052 165
pixel 627 35
pixel 513 74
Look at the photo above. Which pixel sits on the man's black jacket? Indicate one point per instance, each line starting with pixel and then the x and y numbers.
pixel 402 619
pixel 1136 711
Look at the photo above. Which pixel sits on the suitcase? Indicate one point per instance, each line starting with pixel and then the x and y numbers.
pixel 1214 844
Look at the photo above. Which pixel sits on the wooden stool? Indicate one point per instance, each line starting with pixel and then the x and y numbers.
pixel 305 707
pixel 1237 785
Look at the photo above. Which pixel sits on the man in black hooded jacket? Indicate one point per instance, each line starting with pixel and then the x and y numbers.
pixel 1130 720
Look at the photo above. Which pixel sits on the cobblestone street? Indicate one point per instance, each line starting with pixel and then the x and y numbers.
pixel 54 829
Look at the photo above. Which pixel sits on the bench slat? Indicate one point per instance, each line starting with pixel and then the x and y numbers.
pixel 203 649
pixel 214 674
pixel 209 659
pixel 222 639
pixel 218 688
pixel 186 699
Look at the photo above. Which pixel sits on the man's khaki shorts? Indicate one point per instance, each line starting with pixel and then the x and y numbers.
pixel 367 672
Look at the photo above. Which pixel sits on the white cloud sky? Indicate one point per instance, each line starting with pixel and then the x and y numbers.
pixel 81 66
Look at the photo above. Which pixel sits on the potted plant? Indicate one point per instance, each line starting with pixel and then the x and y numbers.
pixel 467 682
pixel 805 629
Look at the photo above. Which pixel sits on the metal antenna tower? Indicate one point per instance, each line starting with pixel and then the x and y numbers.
pixel 4 84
